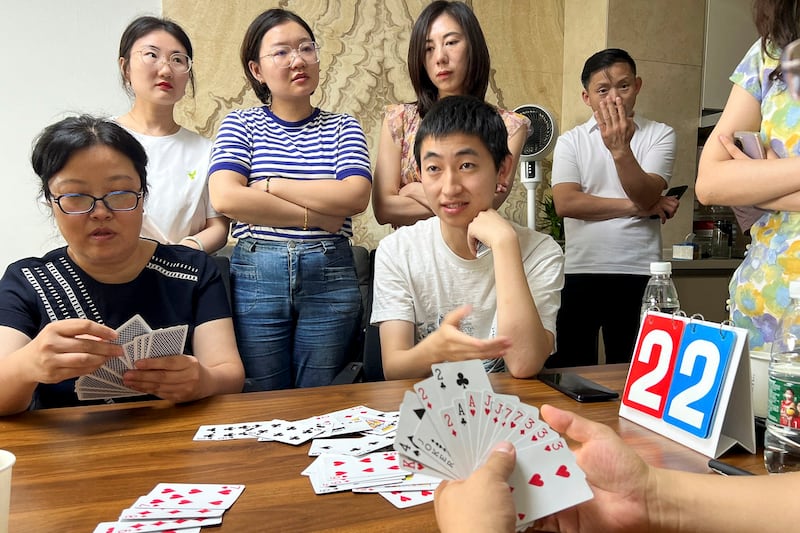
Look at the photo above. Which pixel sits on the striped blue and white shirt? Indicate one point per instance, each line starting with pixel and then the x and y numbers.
pixel 257 144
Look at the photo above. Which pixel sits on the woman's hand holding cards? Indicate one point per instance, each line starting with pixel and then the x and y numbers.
pixel 176 378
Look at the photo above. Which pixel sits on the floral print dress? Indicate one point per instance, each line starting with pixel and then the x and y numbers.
pixel 759 288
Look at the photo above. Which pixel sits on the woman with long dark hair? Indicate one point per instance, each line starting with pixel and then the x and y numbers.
pixel 447 55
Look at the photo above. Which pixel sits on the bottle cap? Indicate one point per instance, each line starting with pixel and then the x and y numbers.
pixel 794 289
pixel 662 267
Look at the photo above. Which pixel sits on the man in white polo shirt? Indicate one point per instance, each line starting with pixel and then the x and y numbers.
pixel 608 177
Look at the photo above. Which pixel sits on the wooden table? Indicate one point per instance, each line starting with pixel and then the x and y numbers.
pixel 80 466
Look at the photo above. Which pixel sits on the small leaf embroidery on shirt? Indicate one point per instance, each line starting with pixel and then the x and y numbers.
pixel 192 174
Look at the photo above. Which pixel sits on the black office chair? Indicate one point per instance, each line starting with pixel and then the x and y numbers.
pixel 224 266
pixel 366 363
pixel 373 362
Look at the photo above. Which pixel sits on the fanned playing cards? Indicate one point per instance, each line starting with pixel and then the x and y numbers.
pixel 444 430
pixel 138 342
pixel 178 507
pixel 452 420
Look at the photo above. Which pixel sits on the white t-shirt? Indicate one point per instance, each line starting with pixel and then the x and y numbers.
pixel 619 245
pixel 177 201
pixel 419 279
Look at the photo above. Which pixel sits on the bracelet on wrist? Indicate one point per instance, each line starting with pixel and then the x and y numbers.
pixel 197 241
pixel 266 186
pixel 305 219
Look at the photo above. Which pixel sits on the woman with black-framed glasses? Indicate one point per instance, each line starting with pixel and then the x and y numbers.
pixel 155 61
pixel 57 313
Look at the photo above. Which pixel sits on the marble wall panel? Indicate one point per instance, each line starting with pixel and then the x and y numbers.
pixel 584 34
pixel 671 31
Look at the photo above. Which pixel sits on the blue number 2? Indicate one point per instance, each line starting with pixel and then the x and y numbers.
pixel 698 377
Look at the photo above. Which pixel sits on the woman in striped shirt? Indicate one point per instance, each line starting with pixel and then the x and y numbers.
pixel 291 176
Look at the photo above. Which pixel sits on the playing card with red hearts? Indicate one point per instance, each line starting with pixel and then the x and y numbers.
pixel 161 525
pixel 404 499
pixel 328 473
pixel 346 468
pixel 122 527
pixel 170 514
pixel 190 496
pixel 546 480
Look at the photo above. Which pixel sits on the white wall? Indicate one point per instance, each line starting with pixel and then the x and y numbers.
pixel 59 58
pixel 730 32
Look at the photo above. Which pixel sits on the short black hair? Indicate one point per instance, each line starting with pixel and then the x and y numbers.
pixel 604 59
pixel 58 142
pixel 469 116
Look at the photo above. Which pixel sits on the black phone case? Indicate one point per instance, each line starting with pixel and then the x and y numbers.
pixel 677 192
pixel 578 388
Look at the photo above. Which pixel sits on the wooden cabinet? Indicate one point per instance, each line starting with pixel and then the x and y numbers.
pixel 703 286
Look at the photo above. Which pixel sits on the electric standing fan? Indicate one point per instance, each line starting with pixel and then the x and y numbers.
pixel 541 141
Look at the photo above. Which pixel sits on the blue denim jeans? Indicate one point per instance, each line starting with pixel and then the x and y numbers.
pixel 297 308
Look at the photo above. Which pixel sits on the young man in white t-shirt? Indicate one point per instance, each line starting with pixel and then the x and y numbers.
pixel 608 176
pixel 434 298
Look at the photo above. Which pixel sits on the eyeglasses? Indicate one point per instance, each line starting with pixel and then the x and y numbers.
pixel 79 204
pixel 283 56
pixel 790 65
pixel 179 63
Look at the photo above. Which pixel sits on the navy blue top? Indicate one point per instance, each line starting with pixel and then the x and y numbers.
pixel 179 285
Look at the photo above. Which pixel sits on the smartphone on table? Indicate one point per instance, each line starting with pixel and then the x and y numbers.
pixel 578 387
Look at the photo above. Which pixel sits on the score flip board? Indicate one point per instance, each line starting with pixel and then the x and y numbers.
pixel 689 380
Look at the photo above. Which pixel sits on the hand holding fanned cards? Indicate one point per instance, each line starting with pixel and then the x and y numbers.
pixel 139 342
pixel 453 419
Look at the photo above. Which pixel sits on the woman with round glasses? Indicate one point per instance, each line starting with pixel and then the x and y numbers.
pixel 447 55
pixel 290 175
pixel 58 313
pixel 155 60
pixel 761 101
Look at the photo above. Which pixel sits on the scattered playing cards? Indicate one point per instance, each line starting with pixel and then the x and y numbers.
pixel 178 507
pixel 139 342
pixel 453 419
pixel 348 448
pixel 444 430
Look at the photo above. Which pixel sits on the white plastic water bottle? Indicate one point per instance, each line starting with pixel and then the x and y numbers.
pixel 782 437
pixel 660 291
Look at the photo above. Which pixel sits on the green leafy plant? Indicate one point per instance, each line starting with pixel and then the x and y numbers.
pixel 551 221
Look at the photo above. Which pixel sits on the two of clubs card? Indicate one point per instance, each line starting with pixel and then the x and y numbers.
pixel 452 420
pixel 138 342
pixel 178 507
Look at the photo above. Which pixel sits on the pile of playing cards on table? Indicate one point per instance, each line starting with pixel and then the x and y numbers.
pixel 139 342
pixel 346 444
pixel 178 507
pixel 453 419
